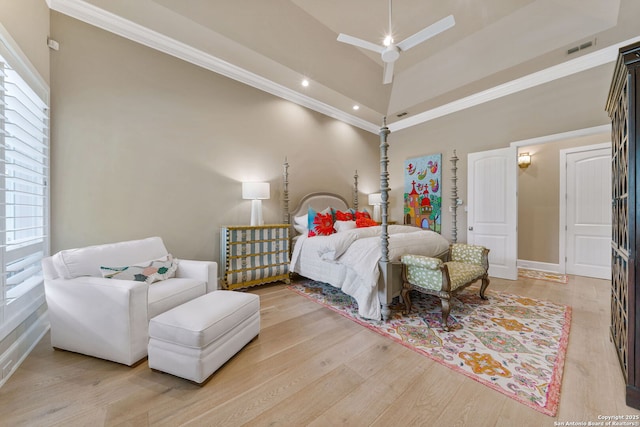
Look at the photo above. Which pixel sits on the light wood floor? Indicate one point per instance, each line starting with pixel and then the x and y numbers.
pixel 310 366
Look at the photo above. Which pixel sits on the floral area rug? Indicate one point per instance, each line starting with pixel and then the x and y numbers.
pixel 514 345
pixel 543 275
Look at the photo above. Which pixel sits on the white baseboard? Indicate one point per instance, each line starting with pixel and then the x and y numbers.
pixel 541 266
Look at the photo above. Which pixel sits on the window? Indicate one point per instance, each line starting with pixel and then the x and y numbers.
pixel 24 174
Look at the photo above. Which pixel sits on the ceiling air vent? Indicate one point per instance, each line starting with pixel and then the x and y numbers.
pixel 581 47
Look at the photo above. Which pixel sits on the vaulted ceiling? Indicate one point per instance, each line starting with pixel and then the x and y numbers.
pixel 496 47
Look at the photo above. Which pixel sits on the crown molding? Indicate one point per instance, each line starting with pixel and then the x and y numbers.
pixel 108 21
pixel 574 66
pixel 596 130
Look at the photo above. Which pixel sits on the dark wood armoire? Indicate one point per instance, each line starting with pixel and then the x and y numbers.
pixel 623 106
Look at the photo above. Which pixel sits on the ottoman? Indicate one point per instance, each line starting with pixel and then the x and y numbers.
pixel 194 339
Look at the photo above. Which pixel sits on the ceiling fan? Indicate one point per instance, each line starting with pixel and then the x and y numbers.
pixel 390 51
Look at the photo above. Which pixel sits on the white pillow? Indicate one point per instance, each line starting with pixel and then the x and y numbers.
pixel 300 223
pixel 344 226
pixel 302 220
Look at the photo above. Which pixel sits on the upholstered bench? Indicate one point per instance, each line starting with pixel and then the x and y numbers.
pixel 466 264
pixel 193 340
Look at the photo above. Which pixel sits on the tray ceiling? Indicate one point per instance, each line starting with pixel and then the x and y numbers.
pixel 274 44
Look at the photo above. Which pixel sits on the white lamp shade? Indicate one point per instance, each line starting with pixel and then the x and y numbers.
pixel 375 199
pixel 255 190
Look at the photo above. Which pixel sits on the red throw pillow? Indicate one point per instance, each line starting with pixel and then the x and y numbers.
pixel 362 214
pixel 344 216
pixel 365 222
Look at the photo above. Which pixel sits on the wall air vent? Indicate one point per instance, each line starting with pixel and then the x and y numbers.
pixel 586 45
pixel 581 46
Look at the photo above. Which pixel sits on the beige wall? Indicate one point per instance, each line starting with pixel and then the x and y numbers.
pixel 539 199
pixel 136 131
pixel 28 23
pixel 545 110
pixel 146 144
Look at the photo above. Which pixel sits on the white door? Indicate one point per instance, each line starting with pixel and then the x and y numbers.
pixel 588 213
pixel 492 214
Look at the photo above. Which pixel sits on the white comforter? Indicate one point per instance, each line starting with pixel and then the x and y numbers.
pixel 349 260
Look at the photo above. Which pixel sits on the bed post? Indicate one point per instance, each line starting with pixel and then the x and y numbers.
pixel 454 198
pixel 286 217
pixel 384 235
pixel 355 190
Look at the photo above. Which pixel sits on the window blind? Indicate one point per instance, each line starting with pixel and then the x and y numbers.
pixel 24 159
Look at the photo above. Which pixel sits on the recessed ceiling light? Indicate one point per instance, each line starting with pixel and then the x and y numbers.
pixel 305 82
pixel 356 107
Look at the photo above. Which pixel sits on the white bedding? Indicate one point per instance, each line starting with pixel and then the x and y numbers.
pixel 349 260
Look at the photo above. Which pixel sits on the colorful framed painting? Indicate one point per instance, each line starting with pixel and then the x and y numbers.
pixel 422 192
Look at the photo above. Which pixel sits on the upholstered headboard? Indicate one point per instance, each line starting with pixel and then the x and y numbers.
pixel 320 201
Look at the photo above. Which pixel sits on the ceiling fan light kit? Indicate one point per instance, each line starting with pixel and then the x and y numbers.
pixel 389 51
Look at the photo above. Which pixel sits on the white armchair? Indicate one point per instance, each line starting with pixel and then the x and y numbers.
pixel 109 318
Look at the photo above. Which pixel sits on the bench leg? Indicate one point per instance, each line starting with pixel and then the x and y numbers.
pixel 407 300
pixel 483 287
pixel 446 309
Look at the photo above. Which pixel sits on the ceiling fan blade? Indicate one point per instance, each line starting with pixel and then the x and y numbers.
pixel 427 33
pixel 387 76
pixel 360 43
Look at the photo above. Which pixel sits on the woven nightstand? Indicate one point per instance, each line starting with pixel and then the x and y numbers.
pixel 254 255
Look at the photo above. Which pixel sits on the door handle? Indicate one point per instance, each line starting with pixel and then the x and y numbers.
pixel 470 228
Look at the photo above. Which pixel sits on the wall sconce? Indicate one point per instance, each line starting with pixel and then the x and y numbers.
pixel 375 200
pixel 256 192
pixel 524 160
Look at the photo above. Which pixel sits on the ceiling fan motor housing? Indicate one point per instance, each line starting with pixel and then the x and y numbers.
pixel 390 54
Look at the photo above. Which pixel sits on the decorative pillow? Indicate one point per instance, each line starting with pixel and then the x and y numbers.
pixel 345 215
pixel 362 214
pixel 344 226
pixel 300 223
pixel 365 222
pixel 320 223
pixel 149 271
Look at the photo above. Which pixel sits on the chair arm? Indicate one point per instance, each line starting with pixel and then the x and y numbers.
pixel 423 271
pixel 105 318
pixel 422 261
pixel 206 271
pixel 470 254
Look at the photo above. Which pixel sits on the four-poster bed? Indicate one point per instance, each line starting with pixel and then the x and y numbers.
pixel 363 262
